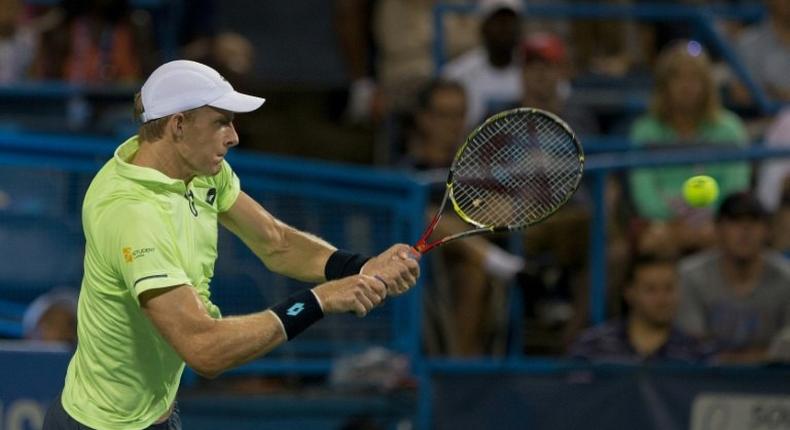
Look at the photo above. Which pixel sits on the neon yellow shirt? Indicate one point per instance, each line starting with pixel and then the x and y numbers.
pixel 143 231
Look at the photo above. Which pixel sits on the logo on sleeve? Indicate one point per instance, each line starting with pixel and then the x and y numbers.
pixel 211 196
pixel 129 255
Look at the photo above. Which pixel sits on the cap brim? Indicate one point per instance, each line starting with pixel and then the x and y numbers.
pixel 238 102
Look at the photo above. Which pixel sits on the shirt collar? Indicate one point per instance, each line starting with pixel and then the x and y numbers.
pixel 144 175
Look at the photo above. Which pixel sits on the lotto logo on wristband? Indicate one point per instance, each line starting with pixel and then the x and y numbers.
pixel 295 309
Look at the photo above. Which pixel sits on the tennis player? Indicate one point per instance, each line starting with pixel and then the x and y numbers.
pixel 150 221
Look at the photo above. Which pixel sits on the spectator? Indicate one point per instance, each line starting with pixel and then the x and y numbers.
pixel 647 333
pixel 491 74
pixel 560 242
pixel 403 32
pixel 387 46
pixel 685 110
pixel 774 175
pixel 462 300
pixel 545 80
pixel 18 40
pixel 52 317
pixel 610 48
pixel 765 51
pixel 738 294
pixel 98 41
pixel 352 22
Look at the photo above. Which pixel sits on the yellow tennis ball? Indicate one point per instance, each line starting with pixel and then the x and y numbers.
pixel 700 191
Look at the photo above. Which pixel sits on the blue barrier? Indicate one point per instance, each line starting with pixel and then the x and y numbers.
pixel 535 394
pixel 573 395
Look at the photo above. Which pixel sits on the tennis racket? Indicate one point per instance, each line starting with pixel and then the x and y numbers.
pixel 513 171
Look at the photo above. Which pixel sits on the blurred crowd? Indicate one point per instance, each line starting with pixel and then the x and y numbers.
pixel 685 284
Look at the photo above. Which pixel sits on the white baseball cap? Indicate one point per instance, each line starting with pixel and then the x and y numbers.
pixel 181 85
pixel 488 7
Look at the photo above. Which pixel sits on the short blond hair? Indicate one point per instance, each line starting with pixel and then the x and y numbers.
pixel 154 129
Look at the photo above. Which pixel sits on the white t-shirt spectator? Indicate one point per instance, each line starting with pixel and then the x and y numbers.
pixel 16 54
pixel 488 89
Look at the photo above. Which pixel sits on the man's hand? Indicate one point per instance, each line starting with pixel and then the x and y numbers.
pixel 358 294
pixel 396 267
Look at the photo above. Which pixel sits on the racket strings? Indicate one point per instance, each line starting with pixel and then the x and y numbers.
pixel 516 170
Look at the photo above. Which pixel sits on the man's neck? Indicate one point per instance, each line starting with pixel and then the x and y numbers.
pixel 742 274
pixel 155 155
pixel 646 338
pixel 685 126
pixel 500 60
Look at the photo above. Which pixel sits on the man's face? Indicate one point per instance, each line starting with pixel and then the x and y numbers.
pixel 207 137
pixel 442 123
pixel 653 295
pixel 742 238
pixel 541 78
pixel 501 31
pixel 686 88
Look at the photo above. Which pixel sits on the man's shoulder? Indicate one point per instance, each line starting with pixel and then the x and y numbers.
pixel 607 332
pixel 606 329
pixel 698 264
pixel 779 265
pixel 114 198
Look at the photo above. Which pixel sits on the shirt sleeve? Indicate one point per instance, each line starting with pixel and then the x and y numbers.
pixel 228 187
pixel 145 254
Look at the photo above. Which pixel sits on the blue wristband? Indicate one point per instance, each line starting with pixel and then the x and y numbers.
pixel 298 312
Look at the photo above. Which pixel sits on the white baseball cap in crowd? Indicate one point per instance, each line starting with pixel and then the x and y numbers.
pixel 181 85
pixel 487 7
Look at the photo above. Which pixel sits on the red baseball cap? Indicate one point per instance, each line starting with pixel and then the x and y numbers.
pixel 543 47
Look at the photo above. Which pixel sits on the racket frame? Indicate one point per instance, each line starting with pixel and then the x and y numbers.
pixel 422 246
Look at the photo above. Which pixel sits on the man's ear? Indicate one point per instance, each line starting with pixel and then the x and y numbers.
pixel 175 126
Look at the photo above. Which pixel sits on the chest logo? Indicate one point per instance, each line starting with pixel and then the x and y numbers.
pixel 190 196
pixel 129 255
pixel 211 196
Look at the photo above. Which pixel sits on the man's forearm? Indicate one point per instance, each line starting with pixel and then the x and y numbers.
pixel 233 341
pixel 299 255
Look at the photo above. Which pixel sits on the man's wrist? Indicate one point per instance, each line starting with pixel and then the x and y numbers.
pixel 298 312
pixel 343 263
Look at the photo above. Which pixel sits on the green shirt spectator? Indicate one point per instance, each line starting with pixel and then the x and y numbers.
pixel 657 192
